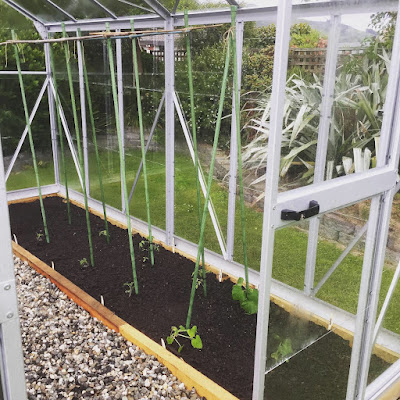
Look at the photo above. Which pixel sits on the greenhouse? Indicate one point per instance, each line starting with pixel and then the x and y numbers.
pixel 199 199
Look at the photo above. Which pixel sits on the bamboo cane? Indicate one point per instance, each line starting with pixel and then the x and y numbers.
pixel 60 132
pixel 194 135
pixel 121 159
pixel 31 144
pixel 210 180
pixel 239 144
pixel 94 138
pixel 142 145
pixel 78 140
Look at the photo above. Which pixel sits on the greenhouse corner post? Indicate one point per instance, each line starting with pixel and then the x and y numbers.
pixel 121 158
pixel 210 179
pixel 94 137
pixel 194 136
pixel 78 142
pixel 32 146
pixel 60 132
pixel 142 145
pixel 271 191
pixel 239 144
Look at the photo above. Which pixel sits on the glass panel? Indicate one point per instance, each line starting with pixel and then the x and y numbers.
pixel 127 7
pixel 81 9
pixel 43 10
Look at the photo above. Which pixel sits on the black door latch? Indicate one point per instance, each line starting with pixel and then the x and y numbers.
pixel 291 215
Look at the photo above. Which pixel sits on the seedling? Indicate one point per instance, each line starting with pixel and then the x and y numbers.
pixel 248 298
pixel 145 259
pixel 130 288
pixel 39 236
pixel 190 334
pixel 83 263
pixel 200 279
pixel 283 351
pixel 103 233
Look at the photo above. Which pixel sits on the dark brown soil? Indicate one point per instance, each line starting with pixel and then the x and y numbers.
pixel 228 335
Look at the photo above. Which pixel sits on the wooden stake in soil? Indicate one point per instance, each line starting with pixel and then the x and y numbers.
pixel 210 179
pixel 94 138
pixel 139 106
pixel 78 142
pixel 31 144
pixel 194 135
pixel 239 144
pixel 60 132
pixel 121 158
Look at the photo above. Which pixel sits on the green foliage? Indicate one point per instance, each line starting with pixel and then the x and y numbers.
pixel 83 263
pixel 130 288
pixel 190 333
pixel 303 36
pixel 248 299
pixel 257 69
pixel 39 236
pixel 284 349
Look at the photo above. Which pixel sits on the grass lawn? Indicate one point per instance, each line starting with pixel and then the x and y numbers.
pixel 290 245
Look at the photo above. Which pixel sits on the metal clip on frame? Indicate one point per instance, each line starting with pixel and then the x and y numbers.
pixel 291 215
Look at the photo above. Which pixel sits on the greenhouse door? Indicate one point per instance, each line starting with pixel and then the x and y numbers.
pixel 284 208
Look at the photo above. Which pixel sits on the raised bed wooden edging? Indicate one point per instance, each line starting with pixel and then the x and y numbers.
pixel 183 371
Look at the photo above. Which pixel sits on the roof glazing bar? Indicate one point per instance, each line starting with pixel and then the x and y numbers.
pixel 67 14
pixel 233 3
pixel 23 11
pixel 158 8
pixel 175 6
pixel 136 6
pixel 104 8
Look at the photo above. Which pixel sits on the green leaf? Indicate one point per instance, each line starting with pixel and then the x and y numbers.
pixel 252 295
pixel 240 282
pixel 238 293
pixel 170 340
pixel 249 307
pixel 192 332
pixel 180 348
pixel 197 343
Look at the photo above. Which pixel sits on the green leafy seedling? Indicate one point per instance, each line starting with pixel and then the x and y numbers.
pixel 39 236
pixel 103 233
pixel 190 334
pixel 83 263
pixel 130 288
pixel 283 351
pixel 248 299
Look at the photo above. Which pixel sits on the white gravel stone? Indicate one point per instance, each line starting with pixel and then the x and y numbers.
pixel 70 355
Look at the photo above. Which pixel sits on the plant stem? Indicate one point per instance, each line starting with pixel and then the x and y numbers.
pixel 60 132
pixel 194 134
pixel 239 145
pixel 139 106
pixel 210 180
pixel 78 142
pixel 94 138
pixel 32 146
pixel 121 158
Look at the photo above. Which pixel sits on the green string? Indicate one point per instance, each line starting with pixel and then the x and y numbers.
pixel 60 132
pixel 139 106
pixel 194 135
pixel 78 141
pixel 32 146
pixel 121 157
pixel 94 138
pixel 209 183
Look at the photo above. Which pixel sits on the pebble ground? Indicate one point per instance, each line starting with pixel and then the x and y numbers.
pixel 71 355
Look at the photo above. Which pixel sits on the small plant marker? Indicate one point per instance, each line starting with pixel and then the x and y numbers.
pixel 121 158
pixel 142 145
pixel 30 136
pixel 78 142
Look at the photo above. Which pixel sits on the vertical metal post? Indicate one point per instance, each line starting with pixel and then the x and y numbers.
pixel 322 146
pixel 82 97
pixel 233 149
pixel 120 84
pixel 169 59
pixel 375 244
pixel 271 191
pixel 52 114
pixel 11 357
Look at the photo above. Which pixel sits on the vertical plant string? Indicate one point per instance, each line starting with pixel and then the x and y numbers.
pixel 94 138
pixel 239 144
pixel 121 157
pixel 210 180
pixel 60 132
pixel 31 144
pixel 194 135
pixel 78 142
pixel 139 107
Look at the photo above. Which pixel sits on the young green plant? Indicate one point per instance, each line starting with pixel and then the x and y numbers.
pixel 248 298
pixel 185 333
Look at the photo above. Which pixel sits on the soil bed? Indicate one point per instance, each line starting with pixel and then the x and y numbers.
pixel 227 333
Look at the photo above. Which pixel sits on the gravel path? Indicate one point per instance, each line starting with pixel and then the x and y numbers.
pixel 71 355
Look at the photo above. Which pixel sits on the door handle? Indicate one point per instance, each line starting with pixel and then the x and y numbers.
pixel 291 215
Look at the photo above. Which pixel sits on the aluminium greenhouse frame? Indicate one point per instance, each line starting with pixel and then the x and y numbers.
pixel 380 184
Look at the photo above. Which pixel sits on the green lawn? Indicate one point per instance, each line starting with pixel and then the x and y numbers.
pixel 290 245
